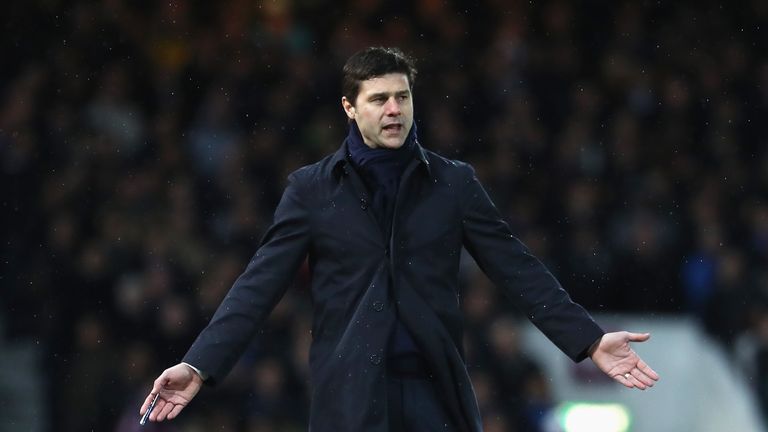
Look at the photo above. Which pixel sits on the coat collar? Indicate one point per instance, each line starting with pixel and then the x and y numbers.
pixel 339 160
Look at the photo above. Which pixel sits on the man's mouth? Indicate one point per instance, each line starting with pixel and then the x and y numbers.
pixel 394 127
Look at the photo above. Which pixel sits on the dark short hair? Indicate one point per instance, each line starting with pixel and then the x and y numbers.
pixel 373 62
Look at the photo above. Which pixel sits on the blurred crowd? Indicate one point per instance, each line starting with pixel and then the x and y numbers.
pixel 144 145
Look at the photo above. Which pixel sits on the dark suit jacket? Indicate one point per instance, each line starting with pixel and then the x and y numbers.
pixel 359 278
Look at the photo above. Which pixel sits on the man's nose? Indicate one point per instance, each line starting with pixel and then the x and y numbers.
pixel 392 107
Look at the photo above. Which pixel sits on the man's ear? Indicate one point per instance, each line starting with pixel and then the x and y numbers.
pixel 349 109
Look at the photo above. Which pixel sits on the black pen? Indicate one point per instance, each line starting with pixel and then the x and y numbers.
pixel 149 410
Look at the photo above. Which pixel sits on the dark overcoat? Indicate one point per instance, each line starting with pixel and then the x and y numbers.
pixel 362 278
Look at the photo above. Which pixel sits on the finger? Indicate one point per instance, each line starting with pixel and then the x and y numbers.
pixel 643 366
pixel 638 337
pixel 146 404
pixel 176 410
pixel 165 411
pixel 624 381
pixel 158 408
pixel 160 383
pixel 157 386
pixel 635 382
pixel 643 378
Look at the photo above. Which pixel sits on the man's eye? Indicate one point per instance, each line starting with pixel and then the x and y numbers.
pixel 403 97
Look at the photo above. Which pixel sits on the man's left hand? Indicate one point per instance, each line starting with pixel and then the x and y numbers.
pixel 613 355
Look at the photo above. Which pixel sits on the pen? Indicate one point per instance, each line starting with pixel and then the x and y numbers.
pixel 149 410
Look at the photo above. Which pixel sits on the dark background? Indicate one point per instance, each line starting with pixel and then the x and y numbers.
pixel 144 145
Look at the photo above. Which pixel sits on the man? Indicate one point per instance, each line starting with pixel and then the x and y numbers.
pixel 383 222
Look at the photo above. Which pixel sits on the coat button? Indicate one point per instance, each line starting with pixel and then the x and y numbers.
pixel 375 359
pixel 378 305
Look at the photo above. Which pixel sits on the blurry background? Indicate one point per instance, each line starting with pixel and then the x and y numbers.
pixel 144 145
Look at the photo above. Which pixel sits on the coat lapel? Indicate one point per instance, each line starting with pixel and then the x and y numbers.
pixel 343 170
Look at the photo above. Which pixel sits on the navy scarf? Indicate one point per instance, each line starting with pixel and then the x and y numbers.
pixel 381 169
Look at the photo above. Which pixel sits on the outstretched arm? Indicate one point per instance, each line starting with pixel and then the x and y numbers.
pixel 613 355
pixel 245 307
pixel 523 277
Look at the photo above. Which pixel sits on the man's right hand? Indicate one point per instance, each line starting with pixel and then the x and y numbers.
pixel 177 386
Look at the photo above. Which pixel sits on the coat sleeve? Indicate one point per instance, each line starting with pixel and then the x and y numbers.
pixel 257 290
pixel 522 277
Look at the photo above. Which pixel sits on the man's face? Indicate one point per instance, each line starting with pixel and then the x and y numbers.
pixel 383 110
